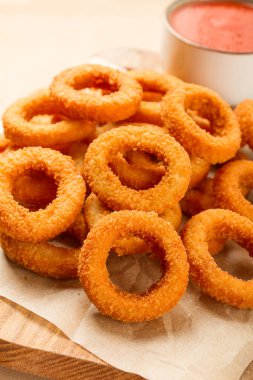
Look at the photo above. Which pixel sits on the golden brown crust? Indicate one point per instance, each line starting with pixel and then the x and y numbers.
pixel 211 279
pixel 108 298
pixel 149 111
pixel 34 121
pixel 134 176
pixel 141 174
pixel 200 169
pixel 42 258
pixel 77 151
pixel 4 143
pixel 121 103
pixel 107 186
pixel 216 147
pixel 198 199
pixel 17 221
pixel 244 114
pixel 230 186
pixel 78 230
pixel 95 210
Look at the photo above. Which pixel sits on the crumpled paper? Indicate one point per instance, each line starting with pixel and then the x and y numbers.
pixel 199 339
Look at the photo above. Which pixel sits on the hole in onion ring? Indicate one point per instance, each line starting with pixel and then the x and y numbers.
pixel 235 260
pixel 66 241
pixel 205 113
pixel 34 189
pixel 93 83
pixel 152 96
pixel 47 118
pixel 137 169
pixel 134 273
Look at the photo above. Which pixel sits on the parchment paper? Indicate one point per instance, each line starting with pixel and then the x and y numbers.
pixel 199 339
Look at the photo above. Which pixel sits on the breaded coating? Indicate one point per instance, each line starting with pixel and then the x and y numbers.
pixel 226 225
pixel 231 183
pixel 149 110
pixel 16 220
pixel 94 210
pixel 107 297
pixel 35 121
pixel 42 258
pixel 121 102
pixel 244 114
pixel 216 145
pixel 107 186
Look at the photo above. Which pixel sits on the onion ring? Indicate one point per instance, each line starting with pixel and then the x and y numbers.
pixel 244 114
pixel 34 121
pixel 17 221
pixel 118 105
pixel 36 191
pixel 140 172
pixel 95 210
pixel 225 139
pixel 212 280
pixel 107 297
pixel 230 183
pixel 150 111
pixel 107 186
pixel 42 258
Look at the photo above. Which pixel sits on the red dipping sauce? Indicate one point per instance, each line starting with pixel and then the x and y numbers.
pixel 225 26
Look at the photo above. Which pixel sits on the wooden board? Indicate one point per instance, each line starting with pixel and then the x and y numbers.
pixel 32 345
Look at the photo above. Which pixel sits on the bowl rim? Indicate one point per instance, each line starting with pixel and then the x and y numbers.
pixel 170 8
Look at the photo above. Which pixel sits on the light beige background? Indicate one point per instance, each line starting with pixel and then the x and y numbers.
pixel 41 37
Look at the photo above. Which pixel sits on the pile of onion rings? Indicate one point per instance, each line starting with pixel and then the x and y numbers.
pixel 143 144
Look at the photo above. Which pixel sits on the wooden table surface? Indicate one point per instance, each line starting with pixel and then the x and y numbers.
pixel 32 345
pixel 37 40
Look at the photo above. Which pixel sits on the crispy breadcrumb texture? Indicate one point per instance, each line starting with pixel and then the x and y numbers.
pixel 244 114
pixel 231 183
pixel 16 220
pixel 222 139
pixel 43 258
pixel 107 186
pixel 227 225
pixel 35 121
pixel 108 298
pixel 121 101
pixel 94 210
pixel 156 83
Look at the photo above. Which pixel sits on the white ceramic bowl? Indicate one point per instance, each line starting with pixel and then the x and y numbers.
pixel 229 74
